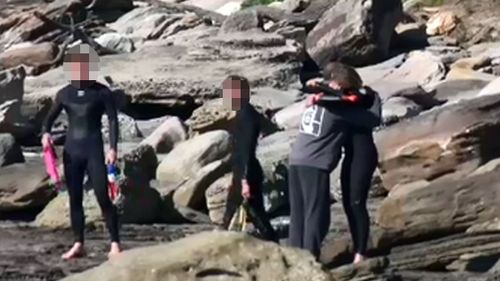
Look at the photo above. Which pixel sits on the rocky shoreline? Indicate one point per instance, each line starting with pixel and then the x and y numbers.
pixel 434 200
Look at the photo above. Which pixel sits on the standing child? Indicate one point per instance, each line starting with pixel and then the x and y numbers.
pixel 247 172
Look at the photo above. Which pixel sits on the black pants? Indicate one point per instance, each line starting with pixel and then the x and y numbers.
pixel 359 164
pixel 309 192
pixel 254 206
pixel 75 167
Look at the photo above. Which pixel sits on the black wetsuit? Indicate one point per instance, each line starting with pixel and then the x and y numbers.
pixel 246 166
pixel 83 149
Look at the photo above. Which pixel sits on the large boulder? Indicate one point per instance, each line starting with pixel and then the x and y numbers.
pixel 56 214
pixel 11 95
pixel 220 255
pixel 492 88
pixel 128 130
pixel 147 127
pixel 289 117
pixel 457 137
pixel 444 206
pixel 455 90
pixel 24 187
pixel 167 135
pixel 140 164
pixel 116 41
pixel 141 22
pixel 29 55
pixel 192 193
pixel 10 151
pixel 211 116
pixel 356 32
pixel 397 108
pixel 273 152
pixel 420 68
pixel 217 196
pixel 141 205
pixel 188 157
pixel 241 21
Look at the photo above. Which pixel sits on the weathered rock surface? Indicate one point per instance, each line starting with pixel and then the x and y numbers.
pixel 170 132
pixel 192 193
pixel 162 79
pixel 12 89
pixel 30 55
pixel 140 164
pixel 20 250
pixel 188 157
pixel 24 186
pixel 417 212
pixel 128 130
pixel 211 116
pixel 241 21
pixel 397 108
pixel 356 32
pixel 217 196
pixel 221 255
pixel 491 89
pixel 455 90
pixel 56 214
pixel 458 137
pixel 420 68
pixel 116 41
pixel 272 153
pixel 289 117
pixel 10 151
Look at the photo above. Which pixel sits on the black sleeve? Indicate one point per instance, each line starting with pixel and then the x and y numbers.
pixel 309 70
pixel 112 114
pixel 54 112
pixel 364 95
pixel 248 139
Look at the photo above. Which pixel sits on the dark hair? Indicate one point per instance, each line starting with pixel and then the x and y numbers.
pixel 81 53
pixel 344 75
pixel 244 84
pixel 76 57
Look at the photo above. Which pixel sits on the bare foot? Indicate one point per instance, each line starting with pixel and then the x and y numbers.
pixel 358 258
pixel 115 250
pixel 76 251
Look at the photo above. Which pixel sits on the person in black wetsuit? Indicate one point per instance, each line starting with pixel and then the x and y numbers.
pixel 247 172
pixel 85 101
pixel 326 128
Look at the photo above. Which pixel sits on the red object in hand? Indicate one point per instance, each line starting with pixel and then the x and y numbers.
pixel 313 99
pixel 351 98
pixel 113 190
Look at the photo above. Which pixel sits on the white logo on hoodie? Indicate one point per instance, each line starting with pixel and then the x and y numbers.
pixel 312 120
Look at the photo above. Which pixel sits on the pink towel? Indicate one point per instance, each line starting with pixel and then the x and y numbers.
pixel 50 157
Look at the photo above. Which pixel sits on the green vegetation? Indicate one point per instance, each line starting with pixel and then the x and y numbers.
pixel 250 3
pixel 433 3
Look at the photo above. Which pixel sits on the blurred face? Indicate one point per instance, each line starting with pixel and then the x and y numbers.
pixel 234 96
pixel 80 71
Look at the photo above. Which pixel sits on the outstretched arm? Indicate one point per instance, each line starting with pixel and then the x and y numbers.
pixel 112 114
pixel 53 113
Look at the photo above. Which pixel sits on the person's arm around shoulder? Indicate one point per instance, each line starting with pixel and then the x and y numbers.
pixel 112 114
pixel 51 117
